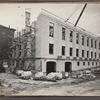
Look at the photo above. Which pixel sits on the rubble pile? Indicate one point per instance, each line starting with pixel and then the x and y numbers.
pixel 8 76
pixel 81 75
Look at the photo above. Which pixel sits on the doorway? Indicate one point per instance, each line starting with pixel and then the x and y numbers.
pixel 68 66
pixel 51 67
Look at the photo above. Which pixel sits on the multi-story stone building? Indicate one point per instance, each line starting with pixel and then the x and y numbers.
pixel 63 47
pixel 60 46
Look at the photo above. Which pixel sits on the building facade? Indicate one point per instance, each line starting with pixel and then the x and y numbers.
pixel 59 46
pixel 6 37
pixel 63 47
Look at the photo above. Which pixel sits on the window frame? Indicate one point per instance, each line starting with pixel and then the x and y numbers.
pixel 88 63
pixel 83 63
pixel 77 52
pixel 91 43
pixel 82 39
pixel 95 44
pixel 63 50
pixel 78 63
pixel 77 38
pixel 88 41
pixel 51 51
pixel 91 54
pixel 63 33
pixel 87 54
pixel 71 51
pixel 82 53
pixel 51 32
pixel 71 36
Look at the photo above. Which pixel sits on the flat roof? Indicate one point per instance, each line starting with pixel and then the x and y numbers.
pixel 69 25
pixel 7 27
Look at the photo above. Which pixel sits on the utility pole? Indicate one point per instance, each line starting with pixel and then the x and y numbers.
pixel 80 15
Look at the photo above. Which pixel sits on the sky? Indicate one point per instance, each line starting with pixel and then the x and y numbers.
pixel 14 14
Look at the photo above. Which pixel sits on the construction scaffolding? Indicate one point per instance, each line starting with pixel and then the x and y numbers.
pixel 23 50
pixel 22 54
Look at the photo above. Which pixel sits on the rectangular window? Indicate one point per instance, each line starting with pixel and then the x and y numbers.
pixel 83 63
pixel 92 63
pixel 63 50
pixel 63 33
pixel 51 46
pixel 77 52
pixel 71 51
pixel 95 55
pixel 82 40
pixel 71 36
pixel 91 54
pixel 99 45
pixel 95 44
pixel 78 63
pixel 82 53
pixel 88 63
pixel 92 43
pixel 99 55
pixel 77 38
pixel 51 30
pixel 87 54
pixel 87 41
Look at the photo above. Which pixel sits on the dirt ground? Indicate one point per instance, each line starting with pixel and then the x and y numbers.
pixel 12 85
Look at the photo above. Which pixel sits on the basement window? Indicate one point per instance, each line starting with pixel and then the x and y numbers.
pixel 78 63
pixel 83 63
pixel 51 30
pixel 51 48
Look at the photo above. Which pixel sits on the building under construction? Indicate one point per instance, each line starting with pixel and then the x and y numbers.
pixel 52 45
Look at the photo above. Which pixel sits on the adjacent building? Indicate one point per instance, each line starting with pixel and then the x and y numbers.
pixel 6 37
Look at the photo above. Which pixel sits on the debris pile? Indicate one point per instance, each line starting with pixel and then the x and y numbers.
pixel 8 76
pixel 82 75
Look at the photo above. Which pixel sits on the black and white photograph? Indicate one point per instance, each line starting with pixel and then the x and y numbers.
pixel 50 49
